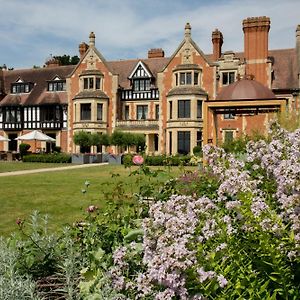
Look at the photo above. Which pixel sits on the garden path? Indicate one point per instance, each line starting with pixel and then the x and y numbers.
pixel 24 172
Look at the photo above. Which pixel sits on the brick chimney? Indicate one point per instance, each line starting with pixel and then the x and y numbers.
pixel 298 51
pixel 83 47
pixel 52 62
pixel 217 40
pixel 256 39
pixel 156 52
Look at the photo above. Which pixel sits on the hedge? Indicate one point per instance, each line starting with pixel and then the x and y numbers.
pixel 48 158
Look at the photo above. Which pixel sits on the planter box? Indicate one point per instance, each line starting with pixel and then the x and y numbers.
pixel 80 158
pixel 114 159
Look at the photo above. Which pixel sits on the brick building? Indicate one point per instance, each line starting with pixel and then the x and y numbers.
pixel 178 102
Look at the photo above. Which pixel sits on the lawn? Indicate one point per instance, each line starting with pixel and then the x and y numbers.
pixel 6 166
pixel 60 195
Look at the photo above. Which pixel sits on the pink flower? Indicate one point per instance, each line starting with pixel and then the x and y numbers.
pixel 138 160
pixel 91 208
pixel 19 221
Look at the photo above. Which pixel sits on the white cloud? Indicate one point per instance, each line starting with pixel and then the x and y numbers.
pixel 30 30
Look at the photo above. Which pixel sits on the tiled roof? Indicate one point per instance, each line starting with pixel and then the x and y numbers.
pixel 284 66
pixel 125 67
pixel 186 90
pixel 91 94
pixel 40 78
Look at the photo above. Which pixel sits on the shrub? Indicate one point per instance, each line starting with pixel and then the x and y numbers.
pixel 23 149
pixel 48 158
pixel 83 139
pixel 197 150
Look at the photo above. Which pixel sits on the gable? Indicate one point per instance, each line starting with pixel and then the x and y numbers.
pixel 140 71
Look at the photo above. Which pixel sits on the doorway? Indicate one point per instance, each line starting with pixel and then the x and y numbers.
pixel 12 144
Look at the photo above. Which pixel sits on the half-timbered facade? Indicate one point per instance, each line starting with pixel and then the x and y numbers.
pixel 178 102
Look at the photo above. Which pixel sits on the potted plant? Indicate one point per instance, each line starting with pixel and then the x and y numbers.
pixel 84 141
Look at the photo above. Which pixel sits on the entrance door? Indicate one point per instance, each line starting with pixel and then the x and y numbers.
pixel 12 144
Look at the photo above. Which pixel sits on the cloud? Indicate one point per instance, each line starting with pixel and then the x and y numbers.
pixel 31 30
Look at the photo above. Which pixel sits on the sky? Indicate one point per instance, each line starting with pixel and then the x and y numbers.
pixel 33 30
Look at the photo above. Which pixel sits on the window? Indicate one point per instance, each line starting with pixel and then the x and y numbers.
pixel 184 142
pixel 142 112
pixel 155 142
pixel 85 111
pixel 12 115
pixel 170 142
pixel 126 114
pixel 54 86
pixel 228 116
pixel 99 111
pixel 141 85
pixel 91 83
pixel 199 109
pixel 18 88
pixel 50 113
pixel 228 136
pixel 199 138
pixel 196 78
pixel 97 83
pixel 171 109
pixel 156 111
pixel 228 77
pixel 185 78
pixel 184 108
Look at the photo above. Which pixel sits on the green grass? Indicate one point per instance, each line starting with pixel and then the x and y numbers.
pixel 6 166
pixel 59 193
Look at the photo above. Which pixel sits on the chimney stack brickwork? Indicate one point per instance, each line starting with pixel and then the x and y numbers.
pixel 256 35
pixel 156 52
pixel 217 40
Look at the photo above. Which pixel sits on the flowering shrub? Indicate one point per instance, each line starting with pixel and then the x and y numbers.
pixel 240 241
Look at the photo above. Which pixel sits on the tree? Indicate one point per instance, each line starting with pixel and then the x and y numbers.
pixel 84 140
pixel 65 60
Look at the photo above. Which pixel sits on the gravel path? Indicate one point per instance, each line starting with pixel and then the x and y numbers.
pixel 24 172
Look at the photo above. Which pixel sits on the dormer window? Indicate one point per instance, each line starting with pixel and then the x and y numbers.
pixel 141 78
pixel 140 85
pixel 56 85
pixel 21 87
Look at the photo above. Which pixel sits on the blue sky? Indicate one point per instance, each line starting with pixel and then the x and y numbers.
pixel 32 30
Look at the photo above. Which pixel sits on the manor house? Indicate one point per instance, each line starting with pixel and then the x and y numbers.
pixel 178 102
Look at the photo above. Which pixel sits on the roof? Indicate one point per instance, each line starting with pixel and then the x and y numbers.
pixel 284 66
pixel 187 90
pixel 125 67
pixel 245 89
pixel 38 94
pixel 91 94
pixel 285 76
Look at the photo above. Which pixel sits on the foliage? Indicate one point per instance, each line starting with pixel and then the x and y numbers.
pixel 164 160
pixel 13 285
pixel 235 235
pixel 197 150
pixel 65 60
pixel 127 139
pixel 104 140
pixel 56 149
pixel 82 139
pixel 289 120
pixel 239 144
pixel 48 158
pixel 23 149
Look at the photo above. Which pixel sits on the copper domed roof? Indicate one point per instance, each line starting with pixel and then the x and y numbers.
pixel 245 89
